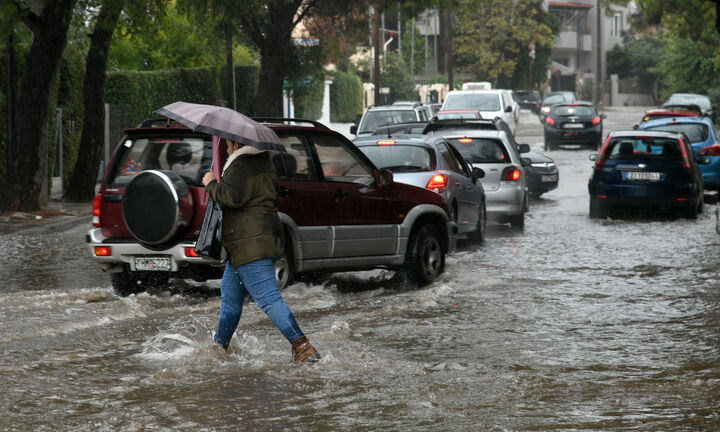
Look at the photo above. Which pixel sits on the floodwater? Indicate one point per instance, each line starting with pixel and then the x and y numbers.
pixel 573 324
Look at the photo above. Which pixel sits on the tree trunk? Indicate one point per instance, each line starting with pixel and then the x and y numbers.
pixel 376 58
pixel 446 36
pixel 11 77
pixel 229 69
pixel 81 186
pixel 275 52
pixel 28 173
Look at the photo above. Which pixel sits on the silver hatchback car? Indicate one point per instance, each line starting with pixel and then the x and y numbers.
pixel 433 163
pixel 505 181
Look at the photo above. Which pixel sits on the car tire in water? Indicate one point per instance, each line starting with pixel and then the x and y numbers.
pixel 518 221
pixel 694 211
pixel 478 236
pixel 425 258
pixel 597 209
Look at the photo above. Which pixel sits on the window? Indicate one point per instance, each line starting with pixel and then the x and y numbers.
pixel 696 132
pixel 401 158
pixel 616 25
pixel 297 163
pixel 452 163
pixel 338 163
pixel 645 149
pixel 481 150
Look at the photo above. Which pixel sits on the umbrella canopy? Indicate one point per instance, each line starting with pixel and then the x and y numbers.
pixel 223 122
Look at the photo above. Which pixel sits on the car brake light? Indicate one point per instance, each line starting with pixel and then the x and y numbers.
pixel 596 121
pixel 190 252
pixel 437 181
pixel 511 173
pixel 550 121
pixel 685 158
pixel 96 210
pixel 386 142
pixel 465 140
pixel 103 251
pixel 713 150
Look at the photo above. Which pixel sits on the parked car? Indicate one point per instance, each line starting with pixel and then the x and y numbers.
pixel 505 180
pixel 691 98
pixel 328 206
pixel 542 174
pixel 654 169
pixel 704 140
pixel 420 106
pixel 529 100
pixel 490 104
pixel 555 98
pixel 576 123
pixel 671 111
pixel 432 163
pixel 377 116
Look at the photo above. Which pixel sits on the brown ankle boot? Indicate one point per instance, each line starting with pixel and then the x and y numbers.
pixel 302 351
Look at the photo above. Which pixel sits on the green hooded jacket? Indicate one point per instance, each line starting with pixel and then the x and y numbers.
pixel 248 194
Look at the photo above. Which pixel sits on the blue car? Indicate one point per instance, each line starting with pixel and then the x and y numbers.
pixel 704 140
pixel 646 169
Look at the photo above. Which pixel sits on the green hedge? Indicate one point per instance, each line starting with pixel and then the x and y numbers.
pixel 308 97
pixel 346 97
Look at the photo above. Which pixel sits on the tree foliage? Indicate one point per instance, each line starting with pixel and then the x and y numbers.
pixel 490 36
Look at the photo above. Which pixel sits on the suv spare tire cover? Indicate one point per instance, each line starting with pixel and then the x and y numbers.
pixel 157 206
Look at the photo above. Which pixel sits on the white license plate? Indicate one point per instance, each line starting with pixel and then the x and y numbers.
pixel 642 175
pixel 574 126
pixel 152 263
pixel 549 178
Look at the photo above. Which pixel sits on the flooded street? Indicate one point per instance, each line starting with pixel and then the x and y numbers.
pixel 573 324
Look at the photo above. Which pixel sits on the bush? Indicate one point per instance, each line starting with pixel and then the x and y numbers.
pixel 308 96
pixel 346 97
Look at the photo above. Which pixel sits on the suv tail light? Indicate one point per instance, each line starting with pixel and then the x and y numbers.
pixel 96 210
pixel 511 173
pixel 550 121
pixel 713 150
pixel 438 181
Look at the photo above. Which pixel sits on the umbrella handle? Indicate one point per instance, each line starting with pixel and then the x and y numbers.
pixel 216 148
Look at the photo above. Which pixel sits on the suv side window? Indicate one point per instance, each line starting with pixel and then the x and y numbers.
pixel 465 169
pixel 339 164
pixel 297 163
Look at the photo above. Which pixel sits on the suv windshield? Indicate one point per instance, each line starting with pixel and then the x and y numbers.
pixel 696 132
pixel 645 148
pixel 188 157
pixel 481 150
pixel 374 119
pixel 475 101
pixel 401 158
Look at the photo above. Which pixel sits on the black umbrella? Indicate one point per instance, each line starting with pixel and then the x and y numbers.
pixel 223 122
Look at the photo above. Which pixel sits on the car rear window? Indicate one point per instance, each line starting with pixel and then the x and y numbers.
pixel 188 157
pixel 644 148
pixel 374 119
pixel 696 132
pixel 479 102
pixel 481 150
pixel 575 110
pixel 401 158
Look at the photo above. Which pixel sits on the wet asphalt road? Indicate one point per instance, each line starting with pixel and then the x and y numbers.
pixel 572 324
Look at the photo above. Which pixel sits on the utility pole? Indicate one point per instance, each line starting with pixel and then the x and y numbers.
pixel 446 42
pixel 599 77
pixel 376 60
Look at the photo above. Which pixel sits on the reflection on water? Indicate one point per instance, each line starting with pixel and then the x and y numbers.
pixel 572 324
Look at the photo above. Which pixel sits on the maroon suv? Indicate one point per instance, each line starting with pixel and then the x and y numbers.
pixel 338 210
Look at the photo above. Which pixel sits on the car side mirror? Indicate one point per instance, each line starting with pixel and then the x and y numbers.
pixel 508 108
pixel 603 116
pixel 523 148
pixel 525 162
pixel 353 129
pixel 477 173
pixel 384 178
pixel 593 157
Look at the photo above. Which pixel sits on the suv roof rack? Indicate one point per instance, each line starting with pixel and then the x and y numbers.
pixel 289 121
pixel 159 122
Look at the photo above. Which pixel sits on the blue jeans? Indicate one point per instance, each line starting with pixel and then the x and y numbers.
pixel 257 278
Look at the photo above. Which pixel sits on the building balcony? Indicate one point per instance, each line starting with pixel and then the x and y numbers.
pixel 568 40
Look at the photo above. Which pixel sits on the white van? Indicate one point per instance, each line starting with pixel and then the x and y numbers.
pixel 490 104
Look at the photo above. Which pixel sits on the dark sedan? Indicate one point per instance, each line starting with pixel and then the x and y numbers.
pixel 542 175
pixel 576 123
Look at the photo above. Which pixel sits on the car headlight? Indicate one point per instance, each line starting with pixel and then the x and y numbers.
pixel 545 109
